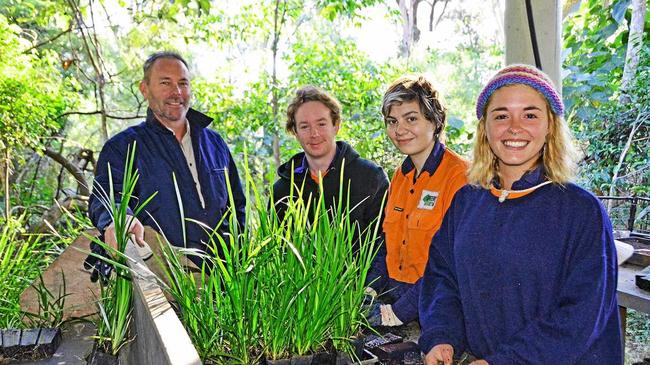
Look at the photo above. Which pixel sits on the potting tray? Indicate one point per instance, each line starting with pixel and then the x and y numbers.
pixel 76 343
pixel 29 344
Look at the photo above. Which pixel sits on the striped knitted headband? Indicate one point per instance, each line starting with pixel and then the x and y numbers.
pixel 521 74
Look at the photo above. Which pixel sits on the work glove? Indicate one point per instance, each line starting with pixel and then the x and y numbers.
pixel 100 268
pixel 370 306
pixel 388 317
pixel 369 297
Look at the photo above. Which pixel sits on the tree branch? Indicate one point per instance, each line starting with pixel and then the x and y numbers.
pixel 137 116
pixel 48 40
pixel 621 159
pixel 441 13
pixel 72 169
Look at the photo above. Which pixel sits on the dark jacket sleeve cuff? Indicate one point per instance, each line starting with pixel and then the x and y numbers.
pixel 405 309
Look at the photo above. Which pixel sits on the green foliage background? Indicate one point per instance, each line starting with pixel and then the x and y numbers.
pixel 69 71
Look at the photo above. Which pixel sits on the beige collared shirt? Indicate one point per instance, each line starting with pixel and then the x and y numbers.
pixel 188 152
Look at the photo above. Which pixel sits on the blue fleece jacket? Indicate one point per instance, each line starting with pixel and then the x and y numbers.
pixel 531 280
pixel 158 157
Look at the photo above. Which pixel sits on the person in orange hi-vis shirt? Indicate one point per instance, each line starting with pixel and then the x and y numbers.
pixel 420 192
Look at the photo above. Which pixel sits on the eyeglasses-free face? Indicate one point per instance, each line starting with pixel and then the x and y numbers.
pixel 516 124
pixel 410 131
pixel 315 130
pixel 168 91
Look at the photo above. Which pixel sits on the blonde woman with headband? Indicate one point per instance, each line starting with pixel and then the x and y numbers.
pixel 523 269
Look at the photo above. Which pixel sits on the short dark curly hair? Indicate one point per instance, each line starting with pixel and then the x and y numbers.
pixel 311 93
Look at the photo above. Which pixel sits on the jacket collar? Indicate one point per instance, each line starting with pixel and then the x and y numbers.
pixel 304 166
pixel 196 119
pixel 528 180
pixel 432 162
pixel 343 152
pixel 528 183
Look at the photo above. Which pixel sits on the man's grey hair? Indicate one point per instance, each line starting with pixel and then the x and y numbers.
pixel 146 68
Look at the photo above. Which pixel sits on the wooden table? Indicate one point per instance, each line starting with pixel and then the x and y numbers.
pixel 629 295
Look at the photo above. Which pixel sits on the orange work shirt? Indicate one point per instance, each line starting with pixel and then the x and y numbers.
pixel 415 209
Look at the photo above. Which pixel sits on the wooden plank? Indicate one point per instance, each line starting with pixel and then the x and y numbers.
pixel 81 292
pixel 10 337
pixel 629 295
pixel 160 337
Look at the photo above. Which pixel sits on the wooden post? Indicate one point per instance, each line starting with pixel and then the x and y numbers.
pixel 547 15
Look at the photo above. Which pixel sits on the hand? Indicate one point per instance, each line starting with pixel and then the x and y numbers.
pixel 388 317
pixel 442 353
pixel 136 229
pixel 479 362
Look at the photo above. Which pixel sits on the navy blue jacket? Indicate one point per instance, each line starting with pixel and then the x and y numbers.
pixel 158 156
pixel 367 182
pixel 531 280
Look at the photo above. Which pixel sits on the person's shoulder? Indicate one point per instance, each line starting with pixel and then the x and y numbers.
pixel 125 137
pixel 467 197
pixel 579 195
pixel 470 191
pixel 285 169
pixel 581 203
pixel 369 169
pixel 362 163
pixel 213 135
pixel 455 161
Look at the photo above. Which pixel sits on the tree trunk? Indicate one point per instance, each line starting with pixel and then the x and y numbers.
pixel 570 6
pixel 92 51
pixel 634 45
pixel 405 11
pixel 7 167
pixel 278 20
pixel 621 160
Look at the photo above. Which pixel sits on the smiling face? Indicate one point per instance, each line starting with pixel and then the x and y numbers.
pixel 315 130
pixel 410 131
pixel 517 123
pixel 167 89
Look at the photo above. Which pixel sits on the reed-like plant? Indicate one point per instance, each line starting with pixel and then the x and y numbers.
pixel 276 288
pixel 21 259
pixel 50 305
pixel 320 278
pixel 115 302
pixel 218 307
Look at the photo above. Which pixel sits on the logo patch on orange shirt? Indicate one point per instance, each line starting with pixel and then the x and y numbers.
pixel 428 199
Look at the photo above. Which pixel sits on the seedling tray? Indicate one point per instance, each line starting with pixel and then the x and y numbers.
pixel 29 344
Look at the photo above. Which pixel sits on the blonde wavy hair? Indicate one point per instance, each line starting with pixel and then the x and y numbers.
pixel 559 154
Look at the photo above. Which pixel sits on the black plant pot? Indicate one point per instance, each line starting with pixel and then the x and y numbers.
pixel 99 357
pixel 319 358
pixel 276 362
pixel 29 344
